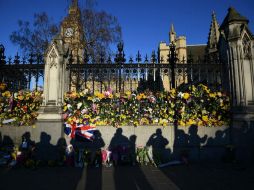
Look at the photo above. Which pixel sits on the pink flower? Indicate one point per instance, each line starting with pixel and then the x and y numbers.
pixel 107 93
pixel 94 108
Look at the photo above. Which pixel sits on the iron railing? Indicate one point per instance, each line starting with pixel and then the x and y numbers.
pixel 153 73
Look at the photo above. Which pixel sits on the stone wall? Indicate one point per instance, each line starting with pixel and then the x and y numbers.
pixel 52 128
pixel 200 143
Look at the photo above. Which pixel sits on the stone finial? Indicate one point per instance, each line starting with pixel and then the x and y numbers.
pixel 172 34
pixel 172 30
pixel 75 3
pixel 214 33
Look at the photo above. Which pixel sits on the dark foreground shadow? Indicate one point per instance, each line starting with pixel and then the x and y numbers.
pixel 88 158
pixel 126 175
pixel 44 176
pixel 94 169
pixel 219 157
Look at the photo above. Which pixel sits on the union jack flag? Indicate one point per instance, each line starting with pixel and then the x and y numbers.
pixel 84 131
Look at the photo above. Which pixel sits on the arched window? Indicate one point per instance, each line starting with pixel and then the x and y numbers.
pixel 246 47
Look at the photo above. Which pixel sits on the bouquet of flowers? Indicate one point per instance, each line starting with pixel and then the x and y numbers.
pixel 20 107
pixel 197 105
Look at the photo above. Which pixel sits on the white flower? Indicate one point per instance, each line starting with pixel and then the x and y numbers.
pixel 85 91
pixel 180 94
pixel 84 111
pixel 79 105
pixel 69 106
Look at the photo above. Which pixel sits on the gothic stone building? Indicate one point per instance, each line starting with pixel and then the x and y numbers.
pixel 230 44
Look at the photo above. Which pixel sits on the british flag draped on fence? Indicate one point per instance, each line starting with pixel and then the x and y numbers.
pixel 84 131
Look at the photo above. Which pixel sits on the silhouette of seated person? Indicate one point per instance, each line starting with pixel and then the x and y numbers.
pixel 158 143
pixel 45 151
pixel 26 147
pixel 8 144
pixel 61 149
pixel 180 145
pixel 119 146
pixel 194 142
pixel 193 138
pixel 95 148
pixel 219 139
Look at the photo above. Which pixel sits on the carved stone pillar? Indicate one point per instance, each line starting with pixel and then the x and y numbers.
pixel 54 83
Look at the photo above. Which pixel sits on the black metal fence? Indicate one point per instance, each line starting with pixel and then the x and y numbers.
pixel 18 72
pixel 141 74
pixel 117 74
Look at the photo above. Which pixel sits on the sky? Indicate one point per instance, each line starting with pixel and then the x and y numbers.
pixel 144 22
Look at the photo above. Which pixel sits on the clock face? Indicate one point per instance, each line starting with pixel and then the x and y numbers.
pixel 69 32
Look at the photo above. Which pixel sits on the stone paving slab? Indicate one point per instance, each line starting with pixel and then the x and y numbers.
pixel 190 177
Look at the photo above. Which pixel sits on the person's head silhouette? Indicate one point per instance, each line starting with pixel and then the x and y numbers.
pixel 119 131
pixel 193 130
pixel 158 132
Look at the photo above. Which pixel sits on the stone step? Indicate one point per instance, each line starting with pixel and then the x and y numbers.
pixel 51 109
pixel 51 102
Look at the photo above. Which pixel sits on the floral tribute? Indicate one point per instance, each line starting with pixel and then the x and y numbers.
pixel 197 105
pixel 19 108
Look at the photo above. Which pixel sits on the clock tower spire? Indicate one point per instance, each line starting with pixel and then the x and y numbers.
pixel 72 30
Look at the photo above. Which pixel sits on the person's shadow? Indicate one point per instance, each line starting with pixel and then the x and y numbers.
pixel 159 143
pixel 27 146
pixel 180 146
pixel 133 139
pixel 127 177
pixel 94 171
pixel 194 142
pixel 117 143
pixel 44 150
pixel 61 149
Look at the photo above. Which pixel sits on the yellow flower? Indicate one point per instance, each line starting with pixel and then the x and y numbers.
pixel 186 96
pixel 191 122
pixel 90 98
pixel 163 122
pixel 6 94
pixel 144 121
pixel 200 123
pixel 205 118
pixel 219 94
pixel 101 123
pixel 2 86
pixel 128 93
pixel 212 95
pixel 141 96
pixel 73 95
pixel 181 123
pixel 123 116
pixel 135 123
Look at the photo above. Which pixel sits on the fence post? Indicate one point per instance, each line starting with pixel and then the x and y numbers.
pixel 172 61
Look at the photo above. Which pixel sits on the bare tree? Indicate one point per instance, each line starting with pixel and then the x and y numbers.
pixel 101 30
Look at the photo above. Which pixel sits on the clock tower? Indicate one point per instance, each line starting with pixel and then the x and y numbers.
pixel 72 30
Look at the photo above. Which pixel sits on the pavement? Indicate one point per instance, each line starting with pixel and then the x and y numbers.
pixel 184 177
